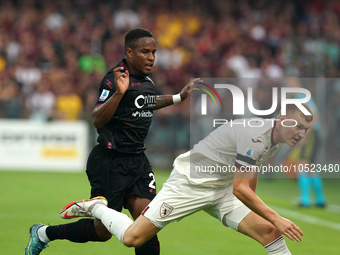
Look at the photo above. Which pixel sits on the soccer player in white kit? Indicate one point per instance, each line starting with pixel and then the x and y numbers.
pixel 219 176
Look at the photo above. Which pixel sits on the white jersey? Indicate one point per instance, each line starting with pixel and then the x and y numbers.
pixel 238 144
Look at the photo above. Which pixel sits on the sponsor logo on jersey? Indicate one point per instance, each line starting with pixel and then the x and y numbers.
pixel 133 84
pixel 142 100
pixel 165 210
pixel 104 95
pixel 142 114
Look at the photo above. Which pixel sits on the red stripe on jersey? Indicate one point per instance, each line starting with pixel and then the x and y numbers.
pixel 108 83
pixel 144 211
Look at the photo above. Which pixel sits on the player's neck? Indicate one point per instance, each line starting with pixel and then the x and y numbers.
pixel 131 69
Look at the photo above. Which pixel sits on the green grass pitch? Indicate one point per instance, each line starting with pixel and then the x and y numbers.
pixel 32 197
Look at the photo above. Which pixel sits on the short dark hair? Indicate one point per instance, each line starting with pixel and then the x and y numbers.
pixel 133 35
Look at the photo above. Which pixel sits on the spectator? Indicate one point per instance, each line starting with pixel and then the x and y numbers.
pixel 11 100
pixel 252 39
pixel 68 105
pixel 41 102
pixel 125 18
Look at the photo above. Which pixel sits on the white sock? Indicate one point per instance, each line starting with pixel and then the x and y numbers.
pixel 42 235
pixel 114 221
pixel 277 247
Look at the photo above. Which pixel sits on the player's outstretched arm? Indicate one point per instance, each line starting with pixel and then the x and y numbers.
pixel 104 112
pixel 243 191
pixel 166 100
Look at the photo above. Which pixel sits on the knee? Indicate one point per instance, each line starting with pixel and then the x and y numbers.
pixel 131 240
pixel 269 234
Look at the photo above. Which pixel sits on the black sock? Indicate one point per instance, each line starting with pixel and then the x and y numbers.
pixel 151 247
pixel 80 231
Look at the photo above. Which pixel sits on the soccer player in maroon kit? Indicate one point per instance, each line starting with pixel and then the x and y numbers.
pixel 117 167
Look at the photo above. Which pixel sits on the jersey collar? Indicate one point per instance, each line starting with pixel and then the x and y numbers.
pixel 124 65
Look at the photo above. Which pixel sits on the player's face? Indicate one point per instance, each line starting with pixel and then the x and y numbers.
pixel 291 134
pixel 142 57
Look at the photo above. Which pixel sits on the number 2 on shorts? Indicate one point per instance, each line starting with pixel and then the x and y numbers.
pixel 151 184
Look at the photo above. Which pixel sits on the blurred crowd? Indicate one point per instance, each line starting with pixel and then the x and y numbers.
pixel 53 54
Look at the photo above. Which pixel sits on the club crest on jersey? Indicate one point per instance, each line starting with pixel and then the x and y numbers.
pixel 104 95
pixel 165 210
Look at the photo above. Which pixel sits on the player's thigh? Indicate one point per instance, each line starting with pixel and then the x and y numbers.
pixel 106 176
pixel 144 186
pixel 142 189
pixel 177 199
pixel 228 209
pixel 117 176
pixel 95 174
pixel 258 228
pixel 136 205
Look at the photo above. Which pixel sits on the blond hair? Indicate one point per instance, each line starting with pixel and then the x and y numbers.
pixel 291 108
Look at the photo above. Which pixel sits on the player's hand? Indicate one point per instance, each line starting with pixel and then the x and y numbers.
pixel 121 79
pixel 189 87
pixel 289 229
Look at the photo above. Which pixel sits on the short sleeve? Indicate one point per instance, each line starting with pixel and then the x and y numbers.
pixel 107 88
pixel 249 149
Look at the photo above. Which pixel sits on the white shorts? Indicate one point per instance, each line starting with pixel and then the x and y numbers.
pixel 179 198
